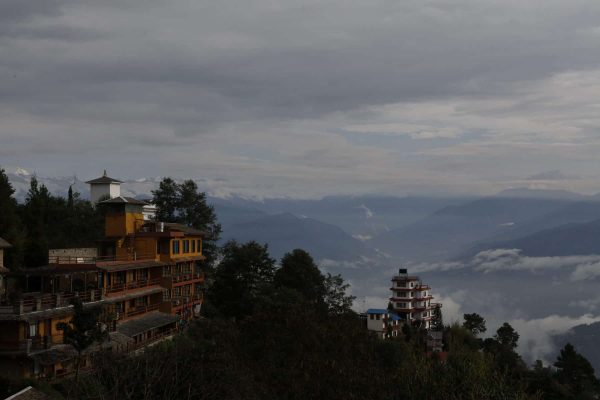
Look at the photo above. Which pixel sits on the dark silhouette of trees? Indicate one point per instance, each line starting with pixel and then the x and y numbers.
pixel 576 372
pixel 83 330
pixel 184 203
pixel 243 275
pixel 475 323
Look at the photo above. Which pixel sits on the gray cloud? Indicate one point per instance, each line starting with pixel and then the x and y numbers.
pixel 554 175
pixel 268 92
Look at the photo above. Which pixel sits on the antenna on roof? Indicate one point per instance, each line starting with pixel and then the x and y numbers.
pixel 104 173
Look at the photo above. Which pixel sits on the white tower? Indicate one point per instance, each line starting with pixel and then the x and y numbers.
pixel 104 186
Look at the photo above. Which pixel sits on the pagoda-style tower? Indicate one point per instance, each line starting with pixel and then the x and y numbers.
pixel 103 187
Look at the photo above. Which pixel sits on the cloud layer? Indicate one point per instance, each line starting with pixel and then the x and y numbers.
pixel 305 98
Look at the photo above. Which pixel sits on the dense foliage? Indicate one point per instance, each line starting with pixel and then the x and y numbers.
pixel 273 331
pixel 43 222
pixel 277 332
pixel 185 204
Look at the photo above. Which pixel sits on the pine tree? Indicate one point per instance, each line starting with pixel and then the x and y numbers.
pixel 11 228
pixel 185 204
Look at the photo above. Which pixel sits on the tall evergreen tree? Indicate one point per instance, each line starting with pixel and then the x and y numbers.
pixel 83 330
pixel 166 199
pixel 243 275
pixel 576 372
pixel 299 272
pixel 11 228
pixel 70 197
pixel 185 204
pixel 474 323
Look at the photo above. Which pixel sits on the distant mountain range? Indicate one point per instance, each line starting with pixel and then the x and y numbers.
pixel 285 232
pixel 540 222
pixel 447 232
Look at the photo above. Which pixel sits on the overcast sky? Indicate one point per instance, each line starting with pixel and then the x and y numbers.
pixel 306 98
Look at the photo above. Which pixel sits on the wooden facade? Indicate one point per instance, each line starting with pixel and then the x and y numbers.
pixel 147 276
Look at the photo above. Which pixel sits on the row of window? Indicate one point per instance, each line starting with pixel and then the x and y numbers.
pixel 186 246
pixel 405 294
pixel 406 305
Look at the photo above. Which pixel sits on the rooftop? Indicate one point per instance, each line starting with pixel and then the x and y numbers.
pixel 145 323
pixel 113 266
pixel 377 311
pixel 104 179
pixel 4 244
pixel 124 200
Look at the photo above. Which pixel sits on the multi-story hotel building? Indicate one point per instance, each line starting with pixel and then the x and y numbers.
pixel 145 275
pixel 411 299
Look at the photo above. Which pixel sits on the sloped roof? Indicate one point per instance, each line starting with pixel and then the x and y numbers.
pixel 29 393
pixel 113 266
pixel 124 200
pixel 377 311
pixel 104 179
pixel 145 323
pixel 184 228
pixel 4 244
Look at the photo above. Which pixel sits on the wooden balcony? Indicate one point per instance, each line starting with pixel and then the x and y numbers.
pixel 94 260
pixel 130 347
pixel 139 310
pixel 26 346
pixel 41 302
pixel 122 287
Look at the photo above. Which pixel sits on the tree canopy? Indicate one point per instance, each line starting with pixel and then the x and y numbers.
pixel 184 203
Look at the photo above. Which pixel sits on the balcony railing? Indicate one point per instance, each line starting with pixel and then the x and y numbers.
pixel 26 346
pixel 177 278
pixel 139 310
pixel 120 287
pixel 93 260
pixel 43 302
pixel 195 298
pixel 129 347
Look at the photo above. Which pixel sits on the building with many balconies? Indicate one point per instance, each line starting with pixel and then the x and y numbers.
pixel 147 277
pixel 411 299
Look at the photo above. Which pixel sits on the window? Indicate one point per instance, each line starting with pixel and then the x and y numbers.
pixel 33 330
pixel 141 301
pixel 175 246
pixel 142 274
pixel 193 246
pixel 166 295
pixel 186 246
pixel 401 294
pixel 119 278
pixel 378 317
pixel 371 316
pixel 199 246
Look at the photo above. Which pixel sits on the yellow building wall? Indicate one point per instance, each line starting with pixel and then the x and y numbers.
pixel 191 253
pixel 145 247
pixel 122 224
